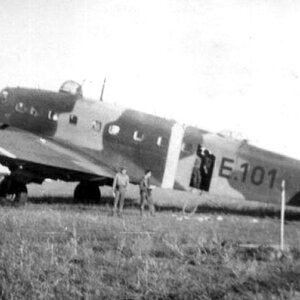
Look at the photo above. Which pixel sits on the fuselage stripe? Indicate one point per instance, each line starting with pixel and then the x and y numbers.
pixel 173 155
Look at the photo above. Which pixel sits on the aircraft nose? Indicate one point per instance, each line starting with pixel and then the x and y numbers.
pixel 4 99
pixel 3 96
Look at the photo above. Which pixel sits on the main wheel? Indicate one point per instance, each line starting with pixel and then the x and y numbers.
pixel 21 198
pixel 87 192
pixel 15 192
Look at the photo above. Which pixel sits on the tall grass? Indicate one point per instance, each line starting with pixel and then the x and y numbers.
pixel 82 253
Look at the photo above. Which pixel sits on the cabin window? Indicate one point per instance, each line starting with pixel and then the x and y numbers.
pixel 73 119
pixel 4 96
pixel 52 115
pixel 34 112
pixel 187 147
pixel 96 125
pixel 162 142
pixel 113 129
pixel 138 136
pixel 21 107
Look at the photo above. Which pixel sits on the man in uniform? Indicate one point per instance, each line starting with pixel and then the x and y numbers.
pixel 195 181
pixel 206 170
pixel 146 193
pixel 119 188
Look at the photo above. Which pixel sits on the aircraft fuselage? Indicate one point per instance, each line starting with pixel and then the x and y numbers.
pixel 116 136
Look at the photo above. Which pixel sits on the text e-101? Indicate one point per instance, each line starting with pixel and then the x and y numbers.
pixel 256 175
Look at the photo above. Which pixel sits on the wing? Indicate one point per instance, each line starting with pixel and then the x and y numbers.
pixel 36 158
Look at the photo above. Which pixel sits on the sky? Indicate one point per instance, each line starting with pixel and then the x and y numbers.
pixel 218 64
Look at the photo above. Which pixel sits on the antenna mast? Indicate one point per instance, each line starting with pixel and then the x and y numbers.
pixel 102 91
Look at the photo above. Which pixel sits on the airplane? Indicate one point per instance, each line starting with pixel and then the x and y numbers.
pixel 64 136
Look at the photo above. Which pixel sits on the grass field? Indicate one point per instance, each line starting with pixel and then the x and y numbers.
pixel 64 251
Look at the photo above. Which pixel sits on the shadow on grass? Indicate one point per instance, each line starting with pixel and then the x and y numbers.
pixel 260 212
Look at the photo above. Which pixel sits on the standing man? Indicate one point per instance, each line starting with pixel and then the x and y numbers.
pixel 195 181
pixel 206 171
pixel 146 193
pixel 119 188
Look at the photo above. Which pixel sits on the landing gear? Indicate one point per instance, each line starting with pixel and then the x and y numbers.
pixel 13 191
pixel 87 192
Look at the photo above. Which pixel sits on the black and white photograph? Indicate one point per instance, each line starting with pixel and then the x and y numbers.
pixel 149 149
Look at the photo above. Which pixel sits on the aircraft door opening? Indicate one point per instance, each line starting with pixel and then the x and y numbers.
pixel 203 169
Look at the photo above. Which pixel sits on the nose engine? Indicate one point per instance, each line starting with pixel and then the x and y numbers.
pixel 37 110
pixel 5 108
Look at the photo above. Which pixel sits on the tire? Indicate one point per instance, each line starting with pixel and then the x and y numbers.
pixel 87 192
pixel 21 198
pixel 78 193
pixel 17 194
pixel 13 192
pixel 21 194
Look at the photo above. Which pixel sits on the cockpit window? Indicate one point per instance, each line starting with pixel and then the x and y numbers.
pixel 52 115
pixel 21 107
pixel 71 87
pixel 4 96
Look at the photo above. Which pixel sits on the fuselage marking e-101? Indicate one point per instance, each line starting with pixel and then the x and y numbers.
pixel 256 175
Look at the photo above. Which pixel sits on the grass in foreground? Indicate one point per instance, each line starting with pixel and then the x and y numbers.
pixel 79 252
